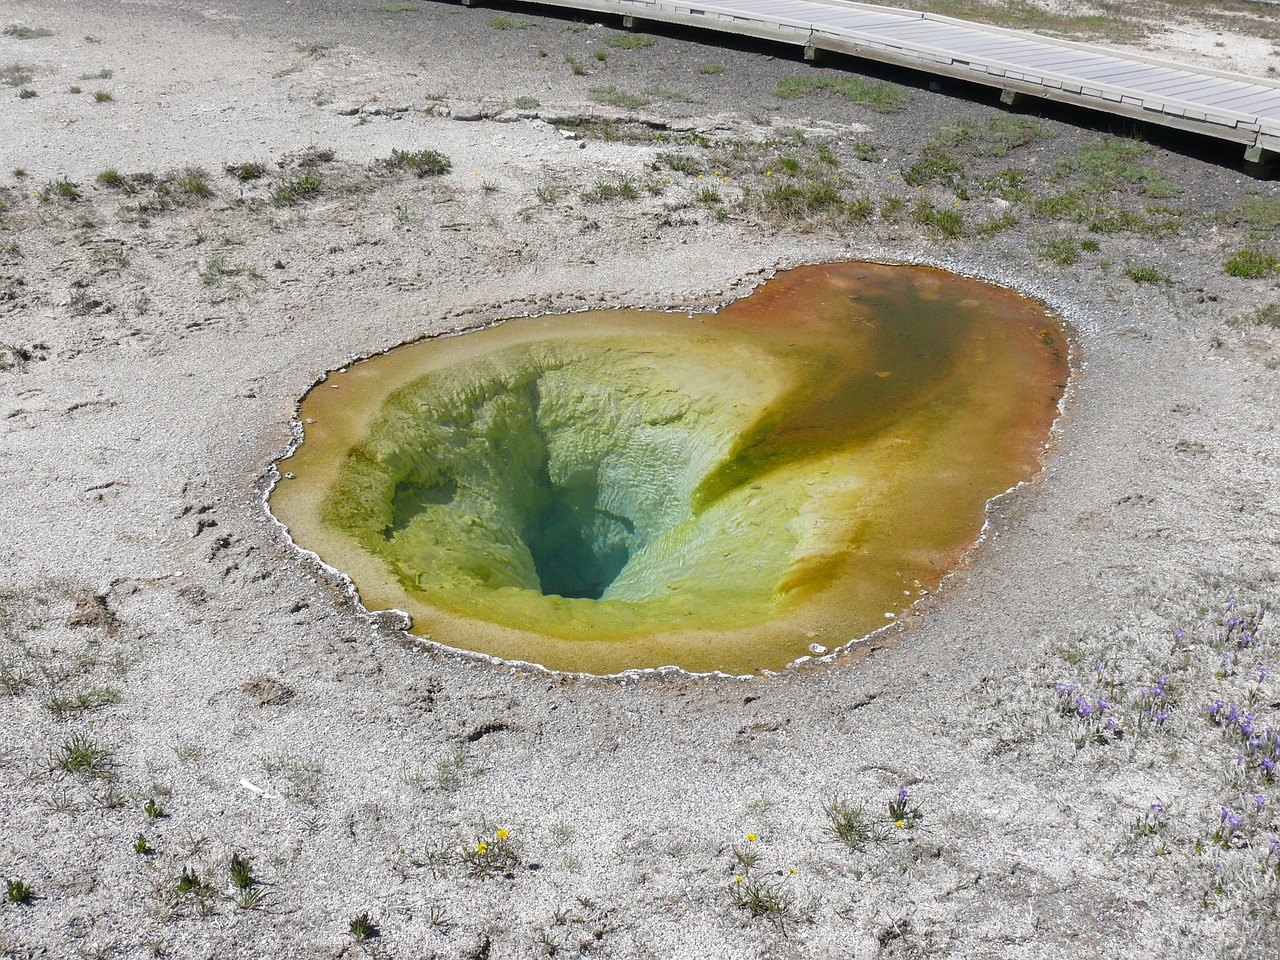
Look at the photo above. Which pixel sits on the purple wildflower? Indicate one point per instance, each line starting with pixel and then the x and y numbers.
pixel 1161 717
pixel 1261 801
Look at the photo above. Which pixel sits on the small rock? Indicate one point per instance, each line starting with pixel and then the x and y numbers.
pixel 467 111
pixel 348 109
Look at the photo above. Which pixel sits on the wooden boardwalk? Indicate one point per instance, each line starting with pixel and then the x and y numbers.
pixel 1224 105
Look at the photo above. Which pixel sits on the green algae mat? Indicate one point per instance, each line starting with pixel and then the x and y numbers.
pixel 616 490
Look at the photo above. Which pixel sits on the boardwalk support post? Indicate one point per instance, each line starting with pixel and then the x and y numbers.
pixel 1265 149
pixel 1012 98
pixel 811 53
pixel 628 21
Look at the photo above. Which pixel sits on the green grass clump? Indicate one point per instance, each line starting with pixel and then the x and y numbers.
pixel 1061 250
pixel 112 178
pixel 943 158
pixel 681 163
pixel 244 172
pixel 101 96
pixel 1250 263
pixel 20 31
pixel 711 69
pixel 192 182
pixel 1115 161
pixel 1142 273
pixel 26 93
pixel 82 756
pixel 613 97
pixel 423 163
pixel 880 97
pixel 362 927
pixel 18 891
pixel 527 103
pixel 1261 212
pixel 947 221
pixel 296 190
pixel 63 189
pixel 621 189
pixel 818 198
pixel 628 41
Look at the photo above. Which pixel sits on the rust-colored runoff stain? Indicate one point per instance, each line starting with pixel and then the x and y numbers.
pixel 615 490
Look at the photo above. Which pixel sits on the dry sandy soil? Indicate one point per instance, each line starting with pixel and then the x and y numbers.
pixel 208 750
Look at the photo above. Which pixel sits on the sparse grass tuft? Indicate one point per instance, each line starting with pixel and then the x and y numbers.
pixel 1143 273
pixel 101 96
pixel 1261 212
pixel 880 97
pixel 63 189
pixel 614 97
pixel 363 927
pixel 1061 250
pixel 711 69
pixel 18 891
pixel 241 871
pixel 19 31
pixel 527 103
pixel 628 41
pixel 245 172
pixel 947 221
pixel 621 189
pixel 16 75
pixel 26 93
pixel 769 898
pixel 295 190
pixel 82 756
pixel 423 163
pixel 1250 263
pixel 849 824
pixel 1266 316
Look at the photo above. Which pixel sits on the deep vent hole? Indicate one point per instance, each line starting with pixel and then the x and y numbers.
pixel 578 547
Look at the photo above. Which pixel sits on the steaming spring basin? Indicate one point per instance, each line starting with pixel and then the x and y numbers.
pixel 625 489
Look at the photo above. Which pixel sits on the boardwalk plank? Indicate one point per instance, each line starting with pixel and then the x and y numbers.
pixel 1220 104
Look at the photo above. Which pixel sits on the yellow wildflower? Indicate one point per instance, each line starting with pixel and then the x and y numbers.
pixel 737 879
pixel 793 870
pixel 752 837
pixel 482 847
pixel 900 824
pixel 502 834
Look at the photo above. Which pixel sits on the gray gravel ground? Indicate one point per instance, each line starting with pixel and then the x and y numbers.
pixel 160 641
